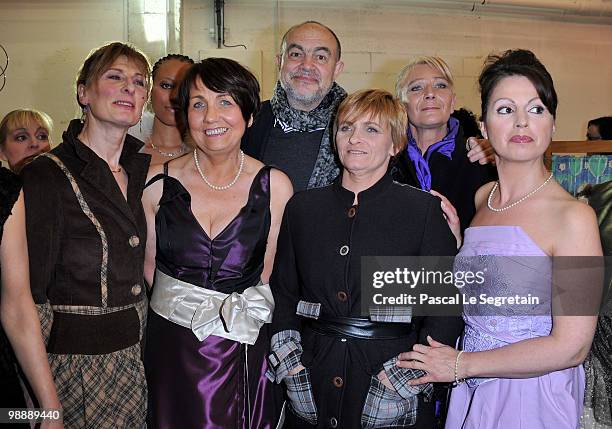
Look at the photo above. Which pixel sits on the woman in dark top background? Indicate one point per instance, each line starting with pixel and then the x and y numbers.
pixel 166 140
pixel 18 313
pixel 335 377
pixel 598 365
pixel 24 133
pixel 436 155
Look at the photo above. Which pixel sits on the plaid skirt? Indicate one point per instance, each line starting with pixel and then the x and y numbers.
pixel 100 391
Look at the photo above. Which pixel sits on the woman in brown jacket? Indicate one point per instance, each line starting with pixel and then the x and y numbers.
pixel 86 237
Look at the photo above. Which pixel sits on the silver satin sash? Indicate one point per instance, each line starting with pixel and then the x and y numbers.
pixel 235 316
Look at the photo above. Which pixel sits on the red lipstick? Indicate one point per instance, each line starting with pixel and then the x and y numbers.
pixel 521 139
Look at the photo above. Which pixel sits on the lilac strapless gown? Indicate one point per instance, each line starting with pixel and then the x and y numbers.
pixel 552 401
pixel 215 383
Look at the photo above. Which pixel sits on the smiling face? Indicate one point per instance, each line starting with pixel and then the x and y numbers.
pixel 23 143
pixel 215 119
pixel 165 82
pixel 518 124
pixel 429 98
pixel 364 145
pixel 309 65
pixel 118 96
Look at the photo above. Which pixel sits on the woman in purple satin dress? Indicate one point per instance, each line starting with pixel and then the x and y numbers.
pixel 521 369
pixel 213 217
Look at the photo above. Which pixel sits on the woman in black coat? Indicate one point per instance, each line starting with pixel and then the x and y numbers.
pixel 339 367
pixel 436 156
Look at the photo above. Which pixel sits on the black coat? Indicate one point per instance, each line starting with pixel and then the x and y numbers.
pixel 256 137
pixel 390 220
pixel 457 179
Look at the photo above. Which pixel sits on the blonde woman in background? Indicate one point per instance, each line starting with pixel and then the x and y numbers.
pixel 17 310
pixel 24 134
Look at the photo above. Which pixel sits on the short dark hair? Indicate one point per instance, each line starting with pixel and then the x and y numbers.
pixel 517 62
pixel 224 76
pixel 604 125
pixel 283 40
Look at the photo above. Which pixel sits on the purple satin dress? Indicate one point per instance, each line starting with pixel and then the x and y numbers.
pixel 215 383
pixel 514 265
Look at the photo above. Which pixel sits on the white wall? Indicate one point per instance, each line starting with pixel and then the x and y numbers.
pixel 47 41
pixel 377 40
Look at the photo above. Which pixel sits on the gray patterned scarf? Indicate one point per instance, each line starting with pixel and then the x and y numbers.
pixel 326 169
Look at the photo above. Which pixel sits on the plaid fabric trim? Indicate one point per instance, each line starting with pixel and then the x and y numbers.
pixel 391 314
pixel 299 391
pixel 103 391
pixel 87 211
pixel 385 408
pixel 308 309
pixel 286 347
pixel 45 314
pixel 88 310
pixel 399 378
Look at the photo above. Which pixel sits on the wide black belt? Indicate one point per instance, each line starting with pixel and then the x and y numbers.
pixel 361 328
pixel 93 335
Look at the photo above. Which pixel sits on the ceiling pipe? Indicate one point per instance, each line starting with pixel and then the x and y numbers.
pixel 586 11
pixel 219 21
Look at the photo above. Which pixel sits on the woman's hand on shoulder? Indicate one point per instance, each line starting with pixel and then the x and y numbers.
pixel 480 150
pixel 451 216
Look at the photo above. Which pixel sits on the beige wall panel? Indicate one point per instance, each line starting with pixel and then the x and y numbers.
pixel 357 61
pixel 577 54
pixel 355 81
pixel 47 41
pixel 249 59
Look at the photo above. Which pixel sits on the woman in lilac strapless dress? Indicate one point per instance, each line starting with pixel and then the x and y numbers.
pixel 521 267
pixel 520 366
pixel 212 217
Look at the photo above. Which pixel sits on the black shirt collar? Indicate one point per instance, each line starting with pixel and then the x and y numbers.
pixel 348 197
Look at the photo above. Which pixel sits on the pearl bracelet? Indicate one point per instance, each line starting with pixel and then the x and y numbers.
pixel 458 380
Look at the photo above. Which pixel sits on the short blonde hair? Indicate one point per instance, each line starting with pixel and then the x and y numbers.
pixel 376 103
pixel 21 118
pixel 436 63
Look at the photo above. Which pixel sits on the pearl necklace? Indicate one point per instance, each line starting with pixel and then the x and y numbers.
pixel 520 200
pixel 180 151
pixel 215 187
